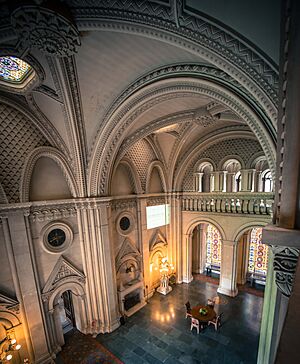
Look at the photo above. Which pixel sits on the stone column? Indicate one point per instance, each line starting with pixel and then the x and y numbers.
pixel 22 263
pixel 198 176
pixel 258 182
pixel 187 276
pixel 230 182
pixel 219 181
pixel 99 267
pixel 228 284
pixel 247 180
pixel 196 250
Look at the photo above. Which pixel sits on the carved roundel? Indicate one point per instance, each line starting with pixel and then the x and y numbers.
pixel 46 30
pixel 57 237
pixel 125 223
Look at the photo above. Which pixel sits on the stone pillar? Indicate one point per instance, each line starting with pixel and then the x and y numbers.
pixel 176 215
pixel 187 276
pixel 243 251
pixel 228 284
pixel 144 244
pixel 219 181
pixel 258 187
pixel 247 180
pixel 99 267
pixel 230 182
pixel 23 266
pixel 198 176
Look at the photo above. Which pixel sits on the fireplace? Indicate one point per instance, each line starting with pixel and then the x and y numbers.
pixel 131 300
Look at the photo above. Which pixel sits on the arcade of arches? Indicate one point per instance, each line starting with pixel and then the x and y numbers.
pixel 135 131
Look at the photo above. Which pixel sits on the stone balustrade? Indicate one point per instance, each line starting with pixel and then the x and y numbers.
pixel 259 203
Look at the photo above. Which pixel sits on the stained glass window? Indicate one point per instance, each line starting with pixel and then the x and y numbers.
pixel 258 253
pixel 13 69
pixel 213 246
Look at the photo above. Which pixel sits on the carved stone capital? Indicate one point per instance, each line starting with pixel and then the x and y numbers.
pixel 285 262
pixel 46 30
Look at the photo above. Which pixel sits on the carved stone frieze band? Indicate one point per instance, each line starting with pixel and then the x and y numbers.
pixel 285 262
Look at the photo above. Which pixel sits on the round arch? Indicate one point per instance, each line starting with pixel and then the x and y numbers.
pixel 160 167
pixel 30 162
pixel 121 120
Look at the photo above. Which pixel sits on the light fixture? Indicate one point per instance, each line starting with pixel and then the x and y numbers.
pixel 8 346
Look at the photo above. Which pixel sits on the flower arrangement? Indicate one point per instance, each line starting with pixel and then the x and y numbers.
pixel 203 311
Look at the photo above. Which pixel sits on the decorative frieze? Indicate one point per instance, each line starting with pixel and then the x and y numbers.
pixel 41 214
pixel 123 204
pixel 285 262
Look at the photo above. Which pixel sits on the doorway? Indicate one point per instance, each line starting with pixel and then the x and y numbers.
pixel 67 315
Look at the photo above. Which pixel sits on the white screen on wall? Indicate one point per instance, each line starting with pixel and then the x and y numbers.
pixel 157 216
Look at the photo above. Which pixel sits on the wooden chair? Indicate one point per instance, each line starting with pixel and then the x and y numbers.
pixel 195 323
pixel 216 322
pixel 188 310
pixel 211 303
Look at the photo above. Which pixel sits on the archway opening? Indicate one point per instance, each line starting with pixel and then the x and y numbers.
pixel 206 250
pixel 66 312
pixel 252 259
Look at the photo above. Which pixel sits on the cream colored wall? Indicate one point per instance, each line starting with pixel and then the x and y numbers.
pixel 6 278
pixel 121 183
pixel 48 182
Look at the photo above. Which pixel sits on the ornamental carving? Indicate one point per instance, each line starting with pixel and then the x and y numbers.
pixel 46 30
pixel 285 262
pixel 204 118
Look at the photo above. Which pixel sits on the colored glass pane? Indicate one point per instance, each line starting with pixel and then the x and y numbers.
pixel 213 246
pixel 258 253
pixel 13 69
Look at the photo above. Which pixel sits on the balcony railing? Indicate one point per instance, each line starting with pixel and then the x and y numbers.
pixel 258 203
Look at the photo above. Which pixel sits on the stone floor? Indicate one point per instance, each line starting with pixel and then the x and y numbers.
pixel 159 333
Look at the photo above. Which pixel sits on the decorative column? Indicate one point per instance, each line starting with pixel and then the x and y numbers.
pixel 219 181
pixel 258 182
pixel 99 266
pixel 228 284
pixel 247 180
pixel 187 276
pixel 230 182
pixel 198 176
pixel 22 263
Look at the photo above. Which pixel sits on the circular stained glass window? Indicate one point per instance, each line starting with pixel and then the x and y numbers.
pixel 13 69
pixel 124 223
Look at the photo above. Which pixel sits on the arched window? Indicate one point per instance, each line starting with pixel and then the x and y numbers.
pixel 238 182
pixel 258 254
pixel 13 69
pixel 213 247
pixel 267 181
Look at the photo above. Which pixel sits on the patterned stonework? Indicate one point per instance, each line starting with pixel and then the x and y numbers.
pixel 285 262
pixel 18 137
pixel 45 30
pixel 245 148
pixel 141 155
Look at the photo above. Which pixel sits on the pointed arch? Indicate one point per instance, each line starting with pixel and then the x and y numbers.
pixel 161 171
pixel 30 162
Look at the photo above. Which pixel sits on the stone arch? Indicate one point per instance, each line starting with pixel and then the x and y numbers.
pixel 160 167
pixel 186 274
pixel 52 306
pixel 193 152
pixel 58 158
pixel 133 175
pixel 199 166
pixel 245 227
pixel 109 140
pixel 224 162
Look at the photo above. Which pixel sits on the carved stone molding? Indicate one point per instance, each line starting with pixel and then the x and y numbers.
pixel 58 158
pixel 285 262
pixel 181 21
pixel 46 30
pixel 143 101
pixel 123 204
pixel 9 304
pixel 203 117
pixel 152 201
pixel 45 213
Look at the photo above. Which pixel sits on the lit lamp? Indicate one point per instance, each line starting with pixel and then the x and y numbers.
pixel 165 268
pixel 8 346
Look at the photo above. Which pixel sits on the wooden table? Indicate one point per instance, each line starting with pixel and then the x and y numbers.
pixel 211 314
